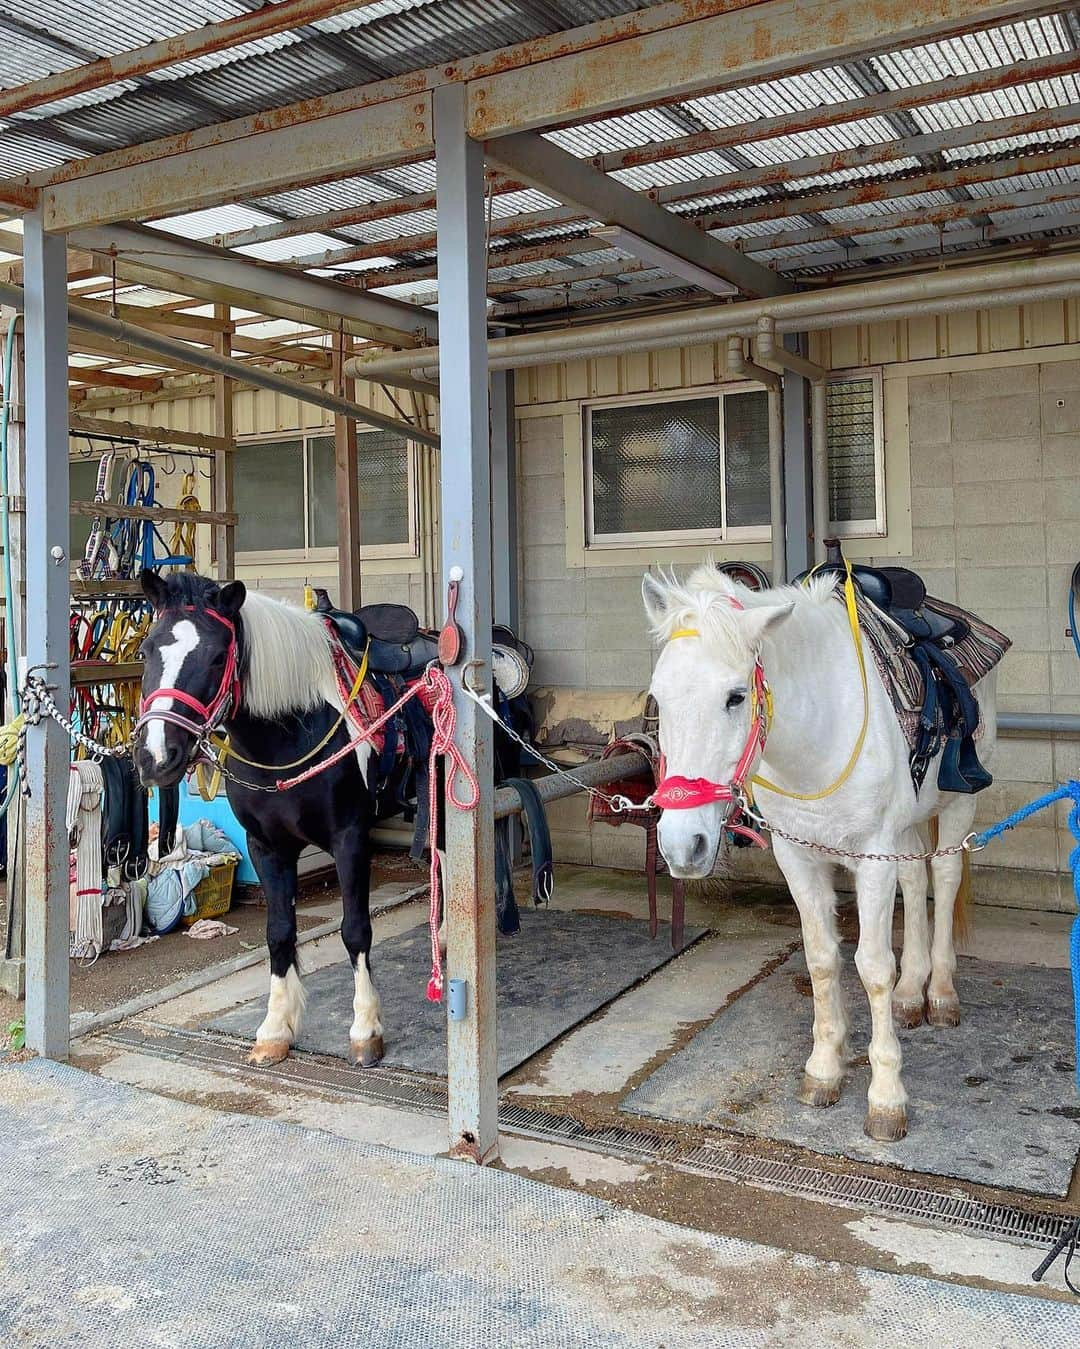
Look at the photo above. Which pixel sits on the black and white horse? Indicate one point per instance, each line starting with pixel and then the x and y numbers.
pixel 263 671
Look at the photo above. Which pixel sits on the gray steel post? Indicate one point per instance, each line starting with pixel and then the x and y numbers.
pixel 504 532
pixel 466 544
pixel 47 603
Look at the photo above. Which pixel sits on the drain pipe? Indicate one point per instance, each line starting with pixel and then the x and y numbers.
pixel 987 286
pixel 738 365
pixel 770 353
pixel 1044 723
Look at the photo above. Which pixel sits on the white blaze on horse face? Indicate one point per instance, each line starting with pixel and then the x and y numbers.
pixel 185 638
pixel 704 723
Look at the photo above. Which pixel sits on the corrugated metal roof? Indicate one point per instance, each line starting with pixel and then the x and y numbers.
pixel 394 36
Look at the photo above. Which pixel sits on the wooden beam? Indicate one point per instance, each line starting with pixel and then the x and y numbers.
pixel 111 379
pixel 347 484
pixel 116 511
pixel 224 388
pixel 155 435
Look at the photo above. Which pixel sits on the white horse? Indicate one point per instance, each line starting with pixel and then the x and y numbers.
pixel 715 632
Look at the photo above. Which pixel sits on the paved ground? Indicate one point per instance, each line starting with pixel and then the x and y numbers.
pixel 134 1220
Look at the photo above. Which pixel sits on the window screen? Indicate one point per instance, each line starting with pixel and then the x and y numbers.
pixel 746 458
pixel 656 467
pixel 268 488
pixel 851 404
pixel 383 459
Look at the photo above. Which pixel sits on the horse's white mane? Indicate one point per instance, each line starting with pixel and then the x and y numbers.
pixel 701 602
pixel 289 668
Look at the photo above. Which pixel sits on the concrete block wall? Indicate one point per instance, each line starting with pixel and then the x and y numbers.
pixel 995 472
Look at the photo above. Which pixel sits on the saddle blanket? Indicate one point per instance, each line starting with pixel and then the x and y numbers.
pixel 979 652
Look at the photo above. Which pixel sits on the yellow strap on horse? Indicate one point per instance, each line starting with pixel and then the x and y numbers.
pixel 207 779
pixel 853 623
pixel 222 744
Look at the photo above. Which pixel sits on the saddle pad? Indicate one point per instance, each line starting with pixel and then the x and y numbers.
pixel 975 656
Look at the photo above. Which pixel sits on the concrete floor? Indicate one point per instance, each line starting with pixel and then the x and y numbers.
pixel 587 1073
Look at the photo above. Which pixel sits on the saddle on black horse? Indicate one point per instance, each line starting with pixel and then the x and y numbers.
pixel 946 651
pixel 398 651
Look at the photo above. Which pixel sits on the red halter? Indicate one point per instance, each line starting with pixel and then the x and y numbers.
pixel 678 793
pixel 227 696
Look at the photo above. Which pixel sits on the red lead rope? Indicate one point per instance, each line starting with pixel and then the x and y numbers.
pixel 436 694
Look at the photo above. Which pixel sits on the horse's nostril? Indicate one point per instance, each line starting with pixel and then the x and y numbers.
pixel 699 850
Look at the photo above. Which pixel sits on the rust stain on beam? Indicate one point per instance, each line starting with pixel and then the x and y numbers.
pixel 213 37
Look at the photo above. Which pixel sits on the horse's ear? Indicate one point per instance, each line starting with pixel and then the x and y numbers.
pixel 154 588
pixel 655 598
pixel 231 598
pixel 756 621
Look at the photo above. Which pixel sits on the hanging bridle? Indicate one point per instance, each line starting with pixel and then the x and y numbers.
pixel 679 793
pixel 225 699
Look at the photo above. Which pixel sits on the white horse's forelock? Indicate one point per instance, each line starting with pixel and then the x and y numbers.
pixel 702 603
pixel 289 667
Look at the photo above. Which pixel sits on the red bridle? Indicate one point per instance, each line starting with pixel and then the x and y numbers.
pixel 679 793
pixel 211 713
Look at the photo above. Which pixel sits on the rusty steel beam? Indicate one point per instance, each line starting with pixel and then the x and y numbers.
pixel 766 175
pixel 184 265
pixel 600 197
pixel 272 158
pixel 850 110
pixel 763 41
pixel 651 55
pixel 678 147
pixel 900 185
pixel 212 37
pixel 908 147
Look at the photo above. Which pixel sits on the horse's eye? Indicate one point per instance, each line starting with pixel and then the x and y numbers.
pixel 735 700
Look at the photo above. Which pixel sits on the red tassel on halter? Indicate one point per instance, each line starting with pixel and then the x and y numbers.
pixel 434 989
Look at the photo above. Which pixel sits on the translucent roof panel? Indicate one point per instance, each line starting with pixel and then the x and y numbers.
pixel 972 52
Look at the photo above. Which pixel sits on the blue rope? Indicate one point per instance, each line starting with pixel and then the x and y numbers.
pixel 1068 791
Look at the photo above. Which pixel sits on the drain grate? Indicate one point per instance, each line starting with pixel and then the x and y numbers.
pixel 718 1160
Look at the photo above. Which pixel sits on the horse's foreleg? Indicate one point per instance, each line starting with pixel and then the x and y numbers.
pixel 955 820
pixel 908 999
pixel 875 884
pixel 285 1006
pixel 810 882
pixel 352 857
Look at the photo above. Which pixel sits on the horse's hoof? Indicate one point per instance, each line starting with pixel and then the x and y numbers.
pixel 367 1053
pixel 815 1092
pixel 885 1126
pixel 943 1011
pixel 267 1052
pixel 908 1014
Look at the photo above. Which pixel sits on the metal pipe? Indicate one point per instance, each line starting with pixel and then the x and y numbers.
pixel 160 345
pixel 1051 723
pixel 819 466
pixel 986 285
pixel 777 503
pixel 555 786
pixel 741 368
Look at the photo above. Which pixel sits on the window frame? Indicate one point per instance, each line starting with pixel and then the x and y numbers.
pixel 878 527
pixel 408 549
pixel 667 537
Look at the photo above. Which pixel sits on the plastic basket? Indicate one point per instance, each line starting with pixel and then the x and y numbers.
pixel 213 894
